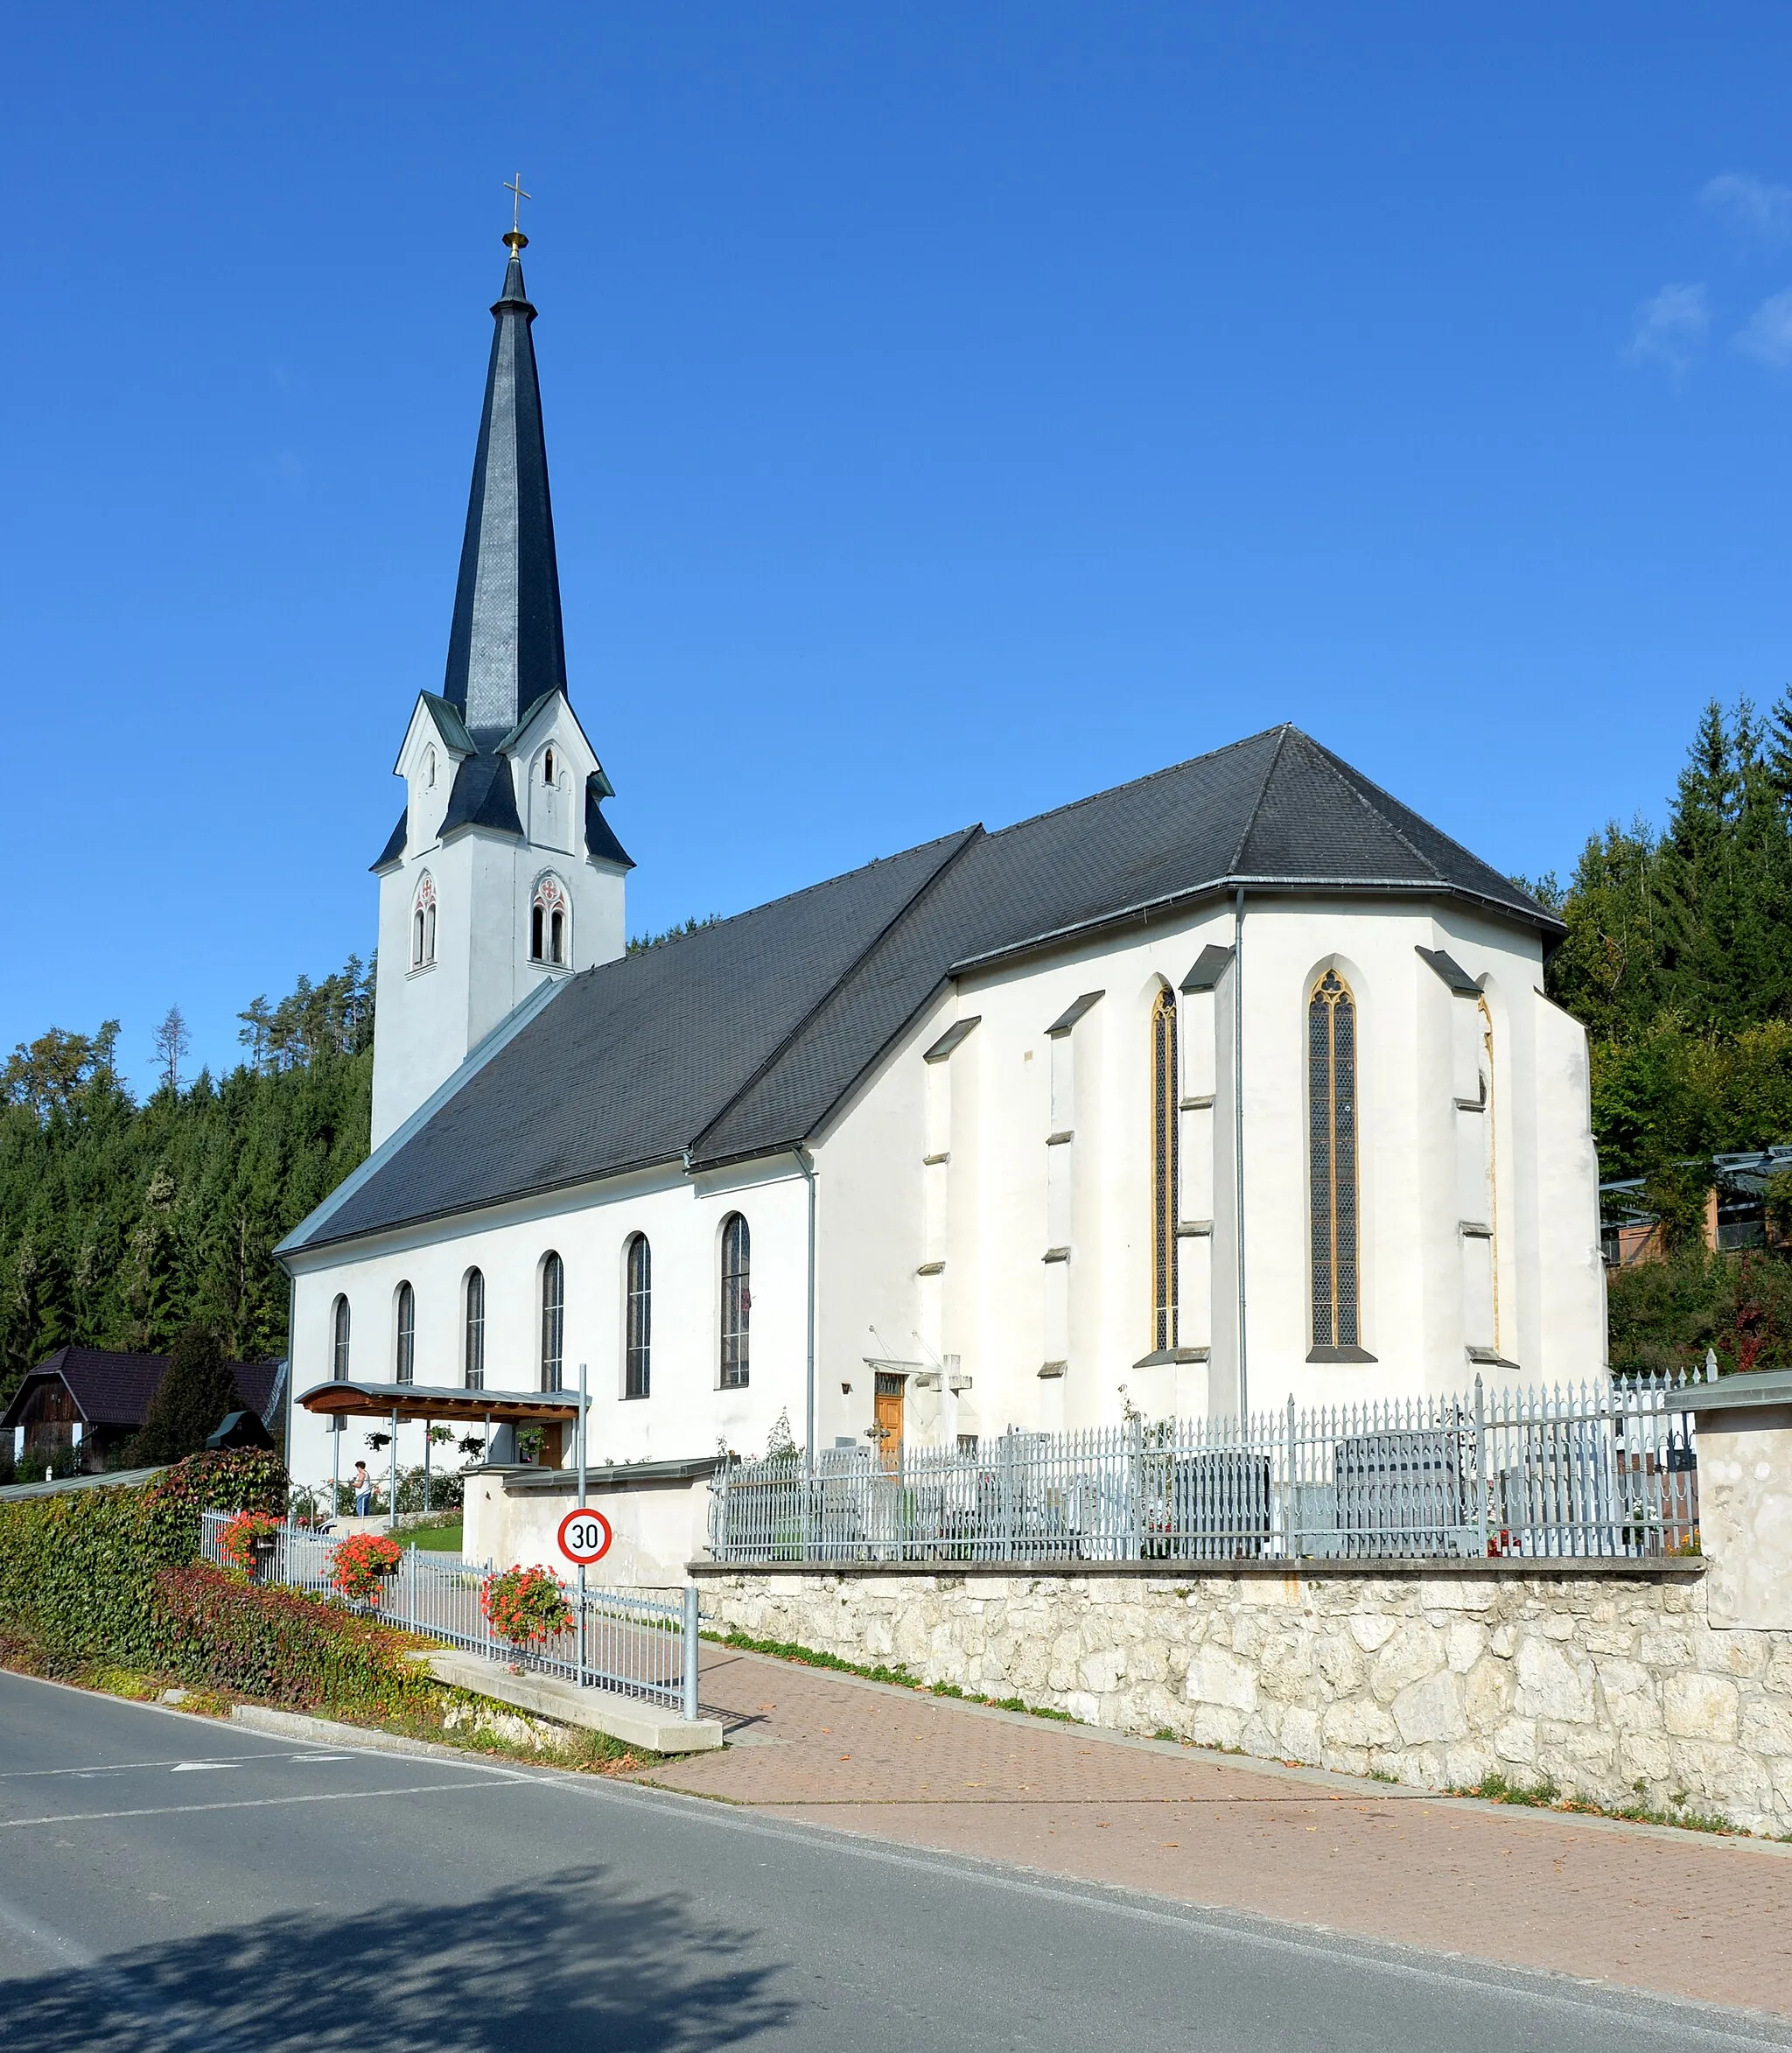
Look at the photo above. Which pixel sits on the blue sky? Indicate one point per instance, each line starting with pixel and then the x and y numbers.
pixel 953 408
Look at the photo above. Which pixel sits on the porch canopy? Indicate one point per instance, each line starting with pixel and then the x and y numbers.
pixel 416 1400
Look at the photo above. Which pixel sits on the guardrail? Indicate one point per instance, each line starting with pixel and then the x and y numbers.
pixel 638 1646
pixel 1608 1469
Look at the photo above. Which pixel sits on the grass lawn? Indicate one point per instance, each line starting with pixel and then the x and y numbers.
pixel 435 1539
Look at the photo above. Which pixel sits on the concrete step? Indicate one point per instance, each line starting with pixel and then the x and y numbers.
pixel 628 1719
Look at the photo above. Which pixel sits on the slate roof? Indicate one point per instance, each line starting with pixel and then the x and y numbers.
pixel 739 1038
pixel 114 1389
pixel 507 648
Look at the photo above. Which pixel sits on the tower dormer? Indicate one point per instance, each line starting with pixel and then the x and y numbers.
pixel 502 872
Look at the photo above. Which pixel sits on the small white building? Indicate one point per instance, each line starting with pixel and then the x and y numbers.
pixel 1232 1085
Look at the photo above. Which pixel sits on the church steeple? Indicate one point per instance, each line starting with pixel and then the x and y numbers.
pixel 502 876
pixel 506 649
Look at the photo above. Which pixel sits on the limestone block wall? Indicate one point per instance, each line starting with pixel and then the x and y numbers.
pixel 1615 1687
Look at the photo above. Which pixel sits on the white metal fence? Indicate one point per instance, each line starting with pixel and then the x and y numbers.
pixel 1608 1469
pixel 642 1646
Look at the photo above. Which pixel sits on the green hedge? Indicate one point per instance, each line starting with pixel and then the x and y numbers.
pixel 278 1645
pixel 113 1576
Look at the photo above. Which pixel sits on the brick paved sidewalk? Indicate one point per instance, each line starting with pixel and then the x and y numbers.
pixel 1681 1913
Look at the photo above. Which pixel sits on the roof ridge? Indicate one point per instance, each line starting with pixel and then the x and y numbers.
pixel 1188 763
pixel 967 837
pixel 1339 768
pixel 1338 765
pixel 1237 861
pixel 784 898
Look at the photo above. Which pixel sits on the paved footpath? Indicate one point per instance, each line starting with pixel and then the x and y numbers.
pixel 1681 1913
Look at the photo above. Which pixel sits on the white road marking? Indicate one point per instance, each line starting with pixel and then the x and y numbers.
pixel 200 1767
pixel 418 1788
pixel 128 1767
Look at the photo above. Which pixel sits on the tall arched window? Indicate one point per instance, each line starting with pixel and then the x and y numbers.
pixel 404 1363
pixel 1164 1201
pixel 475 1351
pixel 547 768
pixel 1331 1093
pixel 338 1340
pixel 422 924
pixel 736 1300
pixel 638 1330
pixel 1491 1157
pixel 548 923
pixel 553 1320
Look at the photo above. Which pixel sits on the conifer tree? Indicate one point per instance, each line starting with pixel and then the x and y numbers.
pixel 193 1399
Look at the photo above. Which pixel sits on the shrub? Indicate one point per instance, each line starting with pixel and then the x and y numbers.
pixel 277 1645
pixel 110 1578
pixel 77 1573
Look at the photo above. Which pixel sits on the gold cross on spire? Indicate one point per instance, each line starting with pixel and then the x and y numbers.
pixel 516 240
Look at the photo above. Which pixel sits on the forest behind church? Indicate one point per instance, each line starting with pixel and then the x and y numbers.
pixel 123 1222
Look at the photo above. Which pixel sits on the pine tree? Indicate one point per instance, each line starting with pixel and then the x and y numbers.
pixel 122 1224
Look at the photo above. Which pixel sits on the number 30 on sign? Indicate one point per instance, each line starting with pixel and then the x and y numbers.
pixel 584 1537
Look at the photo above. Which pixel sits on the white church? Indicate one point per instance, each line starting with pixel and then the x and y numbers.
pixel 1228 1086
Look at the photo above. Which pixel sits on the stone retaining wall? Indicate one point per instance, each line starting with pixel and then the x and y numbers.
pixel 1615 1687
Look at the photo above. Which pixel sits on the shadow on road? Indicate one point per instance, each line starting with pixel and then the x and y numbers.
pixel 571 1964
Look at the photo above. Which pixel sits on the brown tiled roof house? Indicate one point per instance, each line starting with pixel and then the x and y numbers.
pixel 93 1401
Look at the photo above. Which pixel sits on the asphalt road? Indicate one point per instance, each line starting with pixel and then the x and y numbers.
pixel 168 1883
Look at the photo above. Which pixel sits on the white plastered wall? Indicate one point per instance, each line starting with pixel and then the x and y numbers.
pixel 687 1412
pixel 886 1214
pixel 429 1018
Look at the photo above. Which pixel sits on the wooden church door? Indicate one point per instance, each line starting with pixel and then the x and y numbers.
pixel 889 1419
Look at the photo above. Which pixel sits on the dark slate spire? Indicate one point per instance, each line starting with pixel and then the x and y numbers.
pixel 506 650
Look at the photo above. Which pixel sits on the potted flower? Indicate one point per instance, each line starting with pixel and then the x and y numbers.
pixel 360 1564
pixel 248 1540
pixel 525 1606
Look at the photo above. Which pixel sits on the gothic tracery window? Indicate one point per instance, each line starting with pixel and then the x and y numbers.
pixel 548 921
pixel 1163 1199
pixel 422 924
pixel 1330 1072
pixel 1491 1156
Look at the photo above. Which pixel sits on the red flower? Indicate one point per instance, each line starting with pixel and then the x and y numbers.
pixel 525 1604
pixel 237 1537
pixel 361 1563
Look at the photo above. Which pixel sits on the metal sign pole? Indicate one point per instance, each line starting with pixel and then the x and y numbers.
pixel 581 1506
pixel 392 1488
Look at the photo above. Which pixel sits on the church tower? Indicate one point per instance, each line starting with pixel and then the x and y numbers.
pixel 502 874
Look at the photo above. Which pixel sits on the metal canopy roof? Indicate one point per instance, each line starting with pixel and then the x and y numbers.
pixel 414 1400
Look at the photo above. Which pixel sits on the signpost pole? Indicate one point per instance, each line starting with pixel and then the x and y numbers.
pixel 581 1506
pixel 392 1488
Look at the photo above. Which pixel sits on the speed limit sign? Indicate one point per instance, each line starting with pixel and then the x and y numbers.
pixel 584 1537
